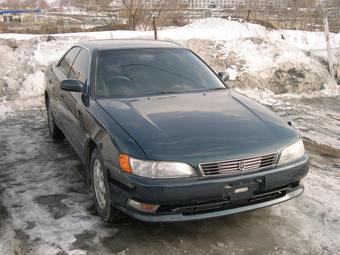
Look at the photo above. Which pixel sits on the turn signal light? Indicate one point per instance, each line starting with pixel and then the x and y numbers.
pixel 124 163
pixel 142 206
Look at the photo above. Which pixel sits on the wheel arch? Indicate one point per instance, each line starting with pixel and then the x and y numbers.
pixel 91 145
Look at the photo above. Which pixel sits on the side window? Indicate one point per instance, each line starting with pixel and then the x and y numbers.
pixel 80 67
pixel 65 65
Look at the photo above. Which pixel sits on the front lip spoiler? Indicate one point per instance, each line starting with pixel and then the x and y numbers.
pixel 180 217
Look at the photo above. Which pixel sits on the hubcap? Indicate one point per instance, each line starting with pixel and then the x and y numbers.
pixel 99 185
pixel 50 119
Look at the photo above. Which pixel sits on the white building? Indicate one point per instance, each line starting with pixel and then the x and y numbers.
pixel 246 4
pixel 322 3
pixel 205 4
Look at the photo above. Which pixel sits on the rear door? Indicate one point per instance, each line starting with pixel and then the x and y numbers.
pixel 74 107
pixel 61 72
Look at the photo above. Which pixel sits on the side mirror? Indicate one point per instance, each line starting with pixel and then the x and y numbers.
pixel 224 76
pixel 71 85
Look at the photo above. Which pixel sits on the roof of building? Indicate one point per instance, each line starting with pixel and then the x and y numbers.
pixel 112 44
pixel 19 11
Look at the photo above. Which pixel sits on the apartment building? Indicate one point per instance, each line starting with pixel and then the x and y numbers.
pixel 249 4
pixel 206 4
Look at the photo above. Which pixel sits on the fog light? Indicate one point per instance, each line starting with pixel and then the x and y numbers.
pixel 142 206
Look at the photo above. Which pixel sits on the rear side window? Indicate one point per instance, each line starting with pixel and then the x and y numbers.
pixel 67 61
pixel 80 67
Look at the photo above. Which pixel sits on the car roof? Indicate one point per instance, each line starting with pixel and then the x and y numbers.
pixel 114 44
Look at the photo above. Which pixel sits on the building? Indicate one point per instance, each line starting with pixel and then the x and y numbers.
pixel 239 4
pixel 322 3
pixel 18 15
pixel 220 4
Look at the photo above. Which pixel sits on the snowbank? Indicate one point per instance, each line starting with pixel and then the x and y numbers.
pixel 274 65
pixel 254 55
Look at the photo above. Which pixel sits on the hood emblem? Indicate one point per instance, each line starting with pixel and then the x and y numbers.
pixel 241 165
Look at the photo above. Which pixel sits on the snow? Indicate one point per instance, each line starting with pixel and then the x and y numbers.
pixel 5 110
pixel 41 184
pixel 257 52
pixel 232 71
pixel 33 85
pixel 212 29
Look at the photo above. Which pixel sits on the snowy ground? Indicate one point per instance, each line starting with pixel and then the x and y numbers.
pixel 46 208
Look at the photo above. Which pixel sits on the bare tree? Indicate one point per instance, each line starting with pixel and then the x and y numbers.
pixel 11 4
pixel 175 12
pixel 104 7
pixel 133 11
pixel 34 3
pixel 335 3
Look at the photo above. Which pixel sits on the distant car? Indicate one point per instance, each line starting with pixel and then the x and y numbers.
pixel 161 136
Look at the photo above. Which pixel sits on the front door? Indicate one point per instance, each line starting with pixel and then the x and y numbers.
pixel 73 104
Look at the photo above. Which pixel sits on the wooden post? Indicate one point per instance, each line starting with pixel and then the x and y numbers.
pixel 248 15
pixel 154 27
pixel 329 50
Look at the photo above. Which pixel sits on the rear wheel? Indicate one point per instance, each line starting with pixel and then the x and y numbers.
pixel 55 132
pixel 101 189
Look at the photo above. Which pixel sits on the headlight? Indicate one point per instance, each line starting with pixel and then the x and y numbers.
pixel 291 152
pixel 155 169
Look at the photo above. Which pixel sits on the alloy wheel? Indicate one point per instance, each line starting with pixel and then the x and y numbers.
pixel 99 183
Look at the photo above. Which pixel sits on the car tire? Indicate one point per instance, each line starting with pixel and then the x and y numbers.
pixel 55 132
pixel 101 189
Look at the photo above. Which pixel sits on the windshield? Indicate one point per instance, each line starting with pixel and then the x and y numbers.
pixel 142 72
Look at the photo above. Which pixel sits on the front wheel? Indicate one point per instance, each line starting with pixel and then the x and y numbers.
pixel 55 132
pixel 101 189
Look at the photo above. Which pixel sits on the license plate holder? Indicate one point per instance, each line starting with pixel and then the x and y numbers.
pixel 242 192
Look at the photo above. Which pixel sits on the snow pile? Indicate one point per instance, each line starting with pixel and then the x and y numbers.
pixel 22 66
pixel 307 40
pixel 215 29
pixel 255 57
pixel 273 65
pixel 221 29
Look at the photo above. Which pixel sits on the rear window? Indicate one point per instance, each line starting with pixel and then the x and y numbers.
pixel 141 72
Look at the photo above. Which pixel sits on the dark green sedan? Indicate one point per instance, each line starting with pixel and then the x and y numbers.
pixel 162 138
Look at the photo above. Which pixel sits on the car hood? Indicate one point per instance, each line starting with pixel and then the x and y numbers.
pixel 200 127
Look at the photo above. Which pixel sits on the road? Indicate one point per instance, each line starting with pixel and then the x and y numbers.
pixel 46 207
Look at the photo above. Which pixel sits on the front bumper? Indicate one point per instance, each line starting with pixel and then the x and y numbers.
pixel 207 197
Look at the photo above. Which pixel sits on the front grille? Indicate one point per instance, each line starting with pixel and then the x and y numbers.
pixel 238 166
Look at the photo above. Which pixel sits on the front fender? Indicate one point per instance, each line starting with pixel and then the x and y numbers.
pixel 109 137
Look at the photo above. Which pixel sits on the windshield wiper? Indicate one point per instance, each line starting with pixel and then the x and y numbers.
pixel 185 91
pixel 164 93
pixel 219 88
pixel 207 89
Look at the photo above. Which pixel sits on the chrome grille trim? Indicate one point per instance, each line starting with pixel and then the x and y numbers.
pixel 232 166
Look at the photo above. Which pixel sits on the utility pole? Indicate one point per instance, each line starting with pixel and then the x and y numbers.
pixel 329 50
